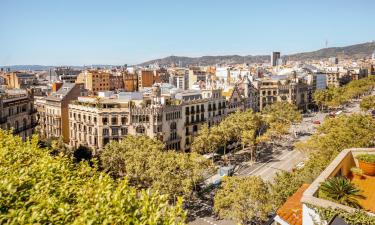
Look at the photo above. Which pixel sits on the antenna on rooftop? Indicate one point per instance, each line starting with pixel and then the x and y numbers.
pixel 326 43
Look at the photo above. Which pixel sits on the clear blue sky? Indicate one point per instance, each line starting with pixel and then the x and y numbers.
pixel 77 32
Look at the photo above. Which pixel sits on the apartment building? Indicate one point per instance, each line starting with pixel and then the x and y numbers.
pixel 101 80
pixel 130 82
pixel 336 79
pixel 20 80
pixel 146 78
pixel 95 122
pixel 283 88
pixel 179 77
pixel 17 112
pixel 54 116
pixel 196 75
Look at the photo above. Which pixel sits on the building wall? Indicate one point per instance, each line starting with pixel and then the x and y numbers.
pixel 274 91
pixel 175 125
pixel 55 117
pixel 131 82
pixel 147 78
pixel 18 112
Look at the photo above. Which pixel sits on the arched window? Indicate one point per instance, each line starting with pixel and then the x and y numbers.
pixel 140 129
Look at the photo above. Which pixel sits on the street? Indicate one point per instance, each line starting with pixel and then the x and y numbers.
pixel 281 156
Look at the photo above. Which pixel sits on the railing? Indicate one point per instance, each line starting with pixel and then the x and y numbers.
pixel 33 111
pixel 23 128
pixel 195 122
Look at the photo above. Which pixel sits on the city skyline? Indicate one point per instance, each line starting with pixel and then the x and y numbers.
pixel 69 33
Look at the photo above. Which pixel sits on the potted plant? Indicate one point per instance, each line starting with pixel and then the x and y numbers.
pixel 367 163
pixel 357 172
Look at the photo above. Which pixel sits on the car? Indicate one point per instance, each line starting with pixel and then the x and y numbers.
pixel 300 165
pixel 316 122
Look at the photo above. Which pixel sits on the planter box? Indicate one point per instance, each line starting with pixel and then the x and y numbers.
pixel 367 168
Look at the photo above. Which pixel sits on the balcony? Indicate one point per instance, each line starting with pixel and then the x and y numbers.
pixel 195 122
pixel 23 128
pixel 33 111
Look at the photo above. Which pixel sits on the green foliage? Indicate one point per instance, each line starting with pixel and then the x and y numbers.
pixel 337 96
pixel 82 153
pixel 248 128
pixel 37 188
pixel 367 103
pixel 207 140
pixel 145 164
pixel 333 136
pixel 342 191
pixel 357 217
pixel 356 170
pixel 368 158
pixel 243 199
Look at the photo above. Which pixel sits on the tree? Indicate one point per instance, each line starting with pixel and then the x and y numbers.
pixel 207 140
pixel 368 103
pixel 243 199
pixel 333 136
pixel 334 97
pixel 38 188
pixel 279 117
pixel 145 164
pixel 340 190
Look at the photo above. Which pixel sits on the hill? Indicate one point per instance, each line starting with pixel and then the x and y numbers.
pixel 352 51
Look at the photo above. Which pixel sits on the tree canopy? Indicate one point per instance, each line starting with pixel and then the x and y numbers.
pixel 38 188
pixel 243 199
pixel 333 136
pixel 368 103
pixel 248 128
pixel 145 164
pixel 337 96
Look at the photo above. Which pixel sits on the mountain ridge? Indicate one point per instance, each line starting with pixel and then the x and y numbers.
pixel 354 51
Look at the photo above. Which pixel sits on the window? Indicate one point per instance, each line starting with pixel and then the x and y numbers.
pixel 124 120
pixel 114 120
pixel 140 129
pixel 105 120
pixel 195 128
pixel 114 131
pixel 105 132
pixel 173 126
pixel 124 131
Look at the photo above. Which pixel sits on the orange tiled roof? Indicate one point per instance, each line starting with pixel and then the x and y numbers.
pixel 291 211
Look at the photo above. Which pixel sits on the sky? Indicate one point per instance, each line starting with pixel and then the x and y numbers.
pixel 85 32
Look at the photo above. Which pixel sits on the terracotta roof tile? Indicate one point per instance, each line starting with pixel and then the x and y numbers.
pixel 291 211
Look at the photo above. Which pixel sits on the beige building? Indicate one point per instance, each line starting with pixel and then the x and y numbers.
pixel 17 112
pixel 101 80
pixel 54 116
pixel 19 80
pixel 283 88
pixel 95 122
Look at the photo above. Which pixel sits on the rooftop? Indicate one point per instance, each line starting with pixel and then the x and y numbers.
pixel 291 211
pixel 367 185
pixel 341 166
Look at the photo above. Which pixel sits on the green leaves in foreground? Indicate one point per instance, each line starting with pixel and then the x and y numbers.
pixel 36 188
